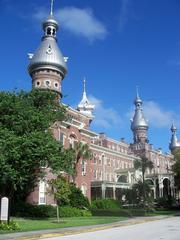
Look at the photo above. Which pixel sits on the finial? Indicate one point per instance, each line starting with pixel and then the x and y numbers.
pixel 137 91
pixel 52 6
pixel 84 82
pixel 173 127
pixel 137 101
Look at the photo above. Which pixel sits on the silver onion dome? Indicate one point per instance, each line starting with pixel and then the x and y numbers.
pixel 174 143
pixel 138 120
pixel 48 55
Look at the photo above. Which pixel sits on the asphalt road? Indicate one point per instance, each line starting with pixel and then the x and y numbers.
pixel 164 229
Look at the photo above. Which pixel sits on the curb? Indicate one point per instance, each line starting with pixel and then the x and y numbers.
pixel 86 230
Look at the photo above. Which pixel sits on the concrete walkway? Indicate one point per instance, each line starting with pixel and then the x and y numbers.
pixel 75 230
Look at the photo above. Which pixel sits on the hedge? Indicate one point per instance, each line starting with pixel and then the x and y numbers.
pixel 105 204
pixel 118 212
pixel 46 211
pixel 32 211
pixel 73 212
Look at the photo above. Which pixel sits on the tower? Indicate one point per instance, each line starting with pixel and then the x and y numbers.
pixel 47 66
pixel 85 107
pixel 174 143
pixel 139 124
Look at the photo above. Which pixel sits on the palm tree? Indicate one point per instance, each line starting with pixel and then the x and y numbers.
pixel 143 164
pixel 81 151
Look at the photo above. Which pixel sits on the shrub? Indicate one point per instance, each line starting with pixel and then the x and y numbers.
pixel 33 211
pixel 11 226
pixel 77 199
pixel 165 202
pixel 105 204
pixel 118 212
pixel 67 211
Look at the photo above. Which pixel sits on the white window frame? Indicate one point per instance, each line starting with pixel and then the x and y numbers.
pixel 42 192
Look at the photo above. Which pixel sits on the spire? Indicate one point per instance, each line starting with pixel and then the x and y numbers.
pixel 139 124
pixel 85 106
pixel 52 7
pixel 137 100
pixel 137 92
pixel 47 66
pixel 84 82
pixel 174 144
pixel 50 25
pixel 173 128
pixel 139 120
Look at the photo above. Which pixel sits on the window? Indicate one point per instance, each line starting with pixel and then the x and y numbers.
pixel 103 160
pixel 42 192
pixel 72 142
pixel 47 83
pixel 84 168
pixel 38 83
pixel 56 85
pixel 48 31
pixel 54 32
pixel 95 174
pixel 100 175
pixel 61 138
pixel 84 189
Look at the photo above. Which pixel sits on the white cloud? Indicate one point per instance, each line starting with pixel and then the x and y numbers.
pixel 157 116
pixel 104 117
pixel 80 22
pixel 124 13
pixel 40 14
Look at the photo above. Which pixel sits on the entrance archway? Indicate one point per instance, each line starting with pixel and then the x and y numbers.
pixel 166 187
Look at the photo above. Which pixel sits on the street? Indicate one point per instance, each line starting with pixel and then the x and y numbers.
pixel 165 229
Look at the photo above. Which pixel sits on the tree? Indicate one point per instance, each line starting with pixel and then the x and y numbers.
pixel 139 190
pixel 81 151
pixel 77 199
pixel 176 168
pixel 26 141
pixel 143 164
pixel 60 189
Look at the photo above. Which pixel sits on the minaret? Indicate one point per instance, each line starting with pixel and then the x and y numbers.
pixel 85 107
pixel 47 66
pixel 139 125
pixel 174 144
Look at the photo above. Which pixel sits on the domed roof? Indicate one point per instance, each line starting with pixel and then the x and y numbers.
pixel 174 144
pixel 138 120
pixel 50 21
pixel 48 54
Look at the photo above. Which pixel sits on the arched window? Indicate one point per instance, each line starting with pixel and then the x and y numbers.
pixel 84 189
pixel 84 168
pixel 72 140
pixel 122 179
pixel 48 31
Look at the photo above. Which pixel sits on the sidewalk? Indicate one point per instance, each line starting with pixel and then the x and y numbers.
pixel 75 230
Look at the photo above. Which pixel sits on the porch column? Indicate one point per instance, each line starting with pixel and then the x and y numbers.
pixel 160 190
pixel 103 189
pixel 114 192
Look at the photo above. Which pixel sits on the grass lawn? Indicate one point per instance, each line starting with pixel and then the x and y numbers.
pixel 32 225
pixel 164 212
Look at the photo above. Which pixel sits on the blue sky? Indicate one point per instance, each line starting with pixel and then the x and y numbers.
pixel 116 45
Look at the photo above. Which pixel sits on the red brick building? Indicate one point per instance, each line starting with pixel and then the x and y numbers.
pixel 112 165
